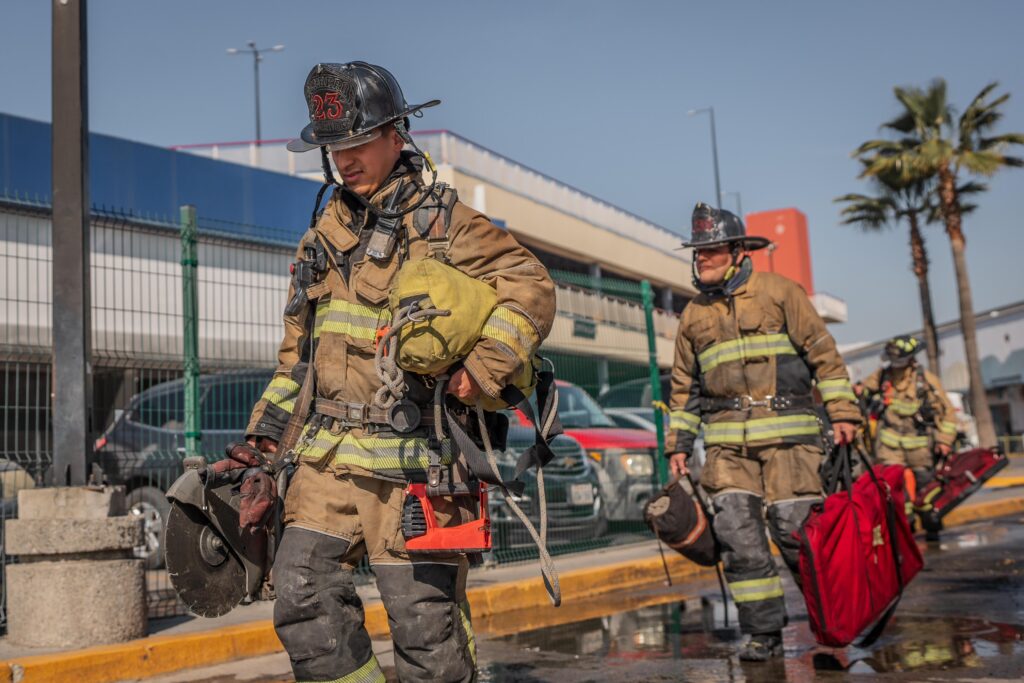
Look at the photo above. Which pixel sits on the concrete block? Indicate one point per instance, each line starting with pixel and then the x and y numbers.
pixel 75 603
pixel 27 537
pixel 71 502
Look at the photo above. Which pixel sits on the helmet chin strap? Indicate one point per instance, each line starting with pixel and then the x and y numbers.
pixel 729 273
pixel 329 180
pixel 403 133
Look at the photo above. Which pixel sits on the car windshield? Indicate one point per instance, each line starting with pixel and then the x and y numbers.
pixel 578 410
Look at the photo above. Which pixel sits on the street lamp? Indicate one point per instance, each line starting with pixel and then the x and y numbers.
pixel 739 202
pixel 257 57
pixel 714 149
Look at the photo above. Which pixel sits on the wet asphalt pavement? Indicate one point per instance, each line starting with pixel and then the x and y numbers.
pixel 962 619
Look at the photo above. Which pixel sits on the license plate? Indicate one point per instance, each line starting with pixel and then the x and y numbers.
pixel 581 494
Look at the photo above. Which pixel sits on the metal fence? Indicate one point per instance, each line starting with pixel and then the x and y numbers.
pixel 595 487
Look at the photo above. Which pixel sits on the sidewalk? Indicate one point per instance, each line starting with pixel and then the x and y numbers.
pixel 187 642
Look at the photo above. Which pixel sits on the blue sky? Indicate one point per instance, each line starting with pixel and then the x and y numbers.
pixel 595 94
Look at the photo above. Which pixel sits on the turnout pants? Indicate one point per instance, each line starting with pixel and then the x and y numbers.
pixel 331 523
pixel 919 460
pixel 741 482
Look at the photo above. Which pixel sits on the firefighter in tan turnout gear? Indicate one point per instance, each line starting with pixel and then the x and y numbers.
pixel 915 418
pixel 355 454
pixel 750 351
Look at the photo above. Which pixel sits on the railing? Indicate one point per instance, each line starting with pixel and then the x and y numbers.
pixel 448 148
pixel 137 364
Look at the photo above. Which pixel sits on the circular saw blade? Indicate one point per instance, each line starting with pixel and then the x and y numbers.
pixel 206 575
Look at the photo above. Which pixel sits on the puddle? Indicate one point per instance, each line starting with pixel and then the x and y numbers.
pixel 697 644
pixel 920 643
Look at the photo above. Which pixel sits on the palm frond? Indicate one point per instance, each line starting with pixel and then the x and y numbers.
pixel 971 187
pixel 985 162
pixel 1000 141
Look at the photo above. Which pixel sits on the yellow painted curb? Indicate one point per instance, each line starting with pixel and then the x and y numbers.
pixel 1004 482
pixel 995 508
pixel 155 655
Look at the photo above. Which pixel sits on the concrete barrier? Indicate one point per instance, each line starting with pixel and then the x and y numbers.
pixel 75 583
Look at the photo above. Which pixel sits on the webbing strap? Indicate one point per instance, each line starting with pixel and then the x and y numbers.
pixel 546 428
pixel 890 520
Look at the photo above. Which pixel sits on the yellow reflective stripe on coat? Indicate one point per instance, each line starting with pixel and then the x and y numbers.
pixel 367 673
pixel 374 453
pixel 754 346
pixel 905 408
pixel 761 429
pixel 513 330
pixel 338 316
pixel 683 421
pixel 836 389
pixel 947 427
pixel 894 440
pixel 282 392
pixel 756 589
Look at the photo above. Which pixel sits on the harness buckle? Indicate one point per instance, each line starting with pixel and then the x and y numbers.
pixel 748 402
pixel 357 413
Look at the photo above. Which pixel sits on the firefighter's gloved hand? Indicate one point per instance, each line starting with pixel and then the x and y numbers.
pixel 845 432
pixel 942 449
pixel 259 493
pixel 240 454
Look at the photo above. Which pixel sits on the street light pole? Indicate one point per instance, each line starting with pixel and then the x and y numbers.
pixel 257 57
pixel 256 87
pixel 714 150
pixel 739 202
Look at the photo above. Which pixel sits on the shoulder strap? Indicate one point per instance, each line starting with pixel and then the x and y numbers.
pixel 433 219
pixel 890 522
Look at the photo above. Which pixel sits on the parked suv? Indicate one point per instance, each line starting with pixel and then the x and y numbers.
pixel 144 446
pixel 626 457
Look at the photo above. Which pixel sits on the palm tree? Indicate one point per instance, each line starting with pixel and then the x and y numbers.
pixel 942 149
pixel 896 200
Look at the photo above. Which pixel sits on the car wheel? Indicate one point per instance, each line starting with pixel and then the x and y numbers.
pixel 150 503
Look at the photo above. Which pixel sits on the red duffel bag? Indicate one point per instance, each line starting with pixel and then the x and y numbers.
pixel 857 553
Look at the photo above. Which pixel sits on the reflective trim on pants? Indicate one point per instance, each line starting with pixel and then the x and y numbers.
pixel 367 673
pixel 754 590
pixel 467 626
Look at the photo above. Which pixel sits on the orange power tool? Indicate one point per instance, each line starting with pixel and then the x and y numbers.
pixel 419 523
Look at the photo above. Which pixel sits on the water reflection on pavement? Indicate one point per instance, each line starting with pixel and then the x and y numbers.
pixel 962 619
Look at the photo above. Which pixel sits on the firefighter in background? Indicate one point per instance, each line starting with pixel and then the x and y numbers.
pixel 915 419
pixel 345 499
pixel 750 352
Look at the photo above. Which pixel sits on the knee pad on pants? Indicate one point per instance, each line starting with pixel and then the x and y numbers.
pixel 739 527
pixel 785 518
pixel 318 615
pixel 922 476
pixel 429 626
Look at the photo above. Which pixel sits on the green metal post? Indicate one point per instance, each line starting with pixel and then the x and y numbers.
pixel 190 314
pixel 652 355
